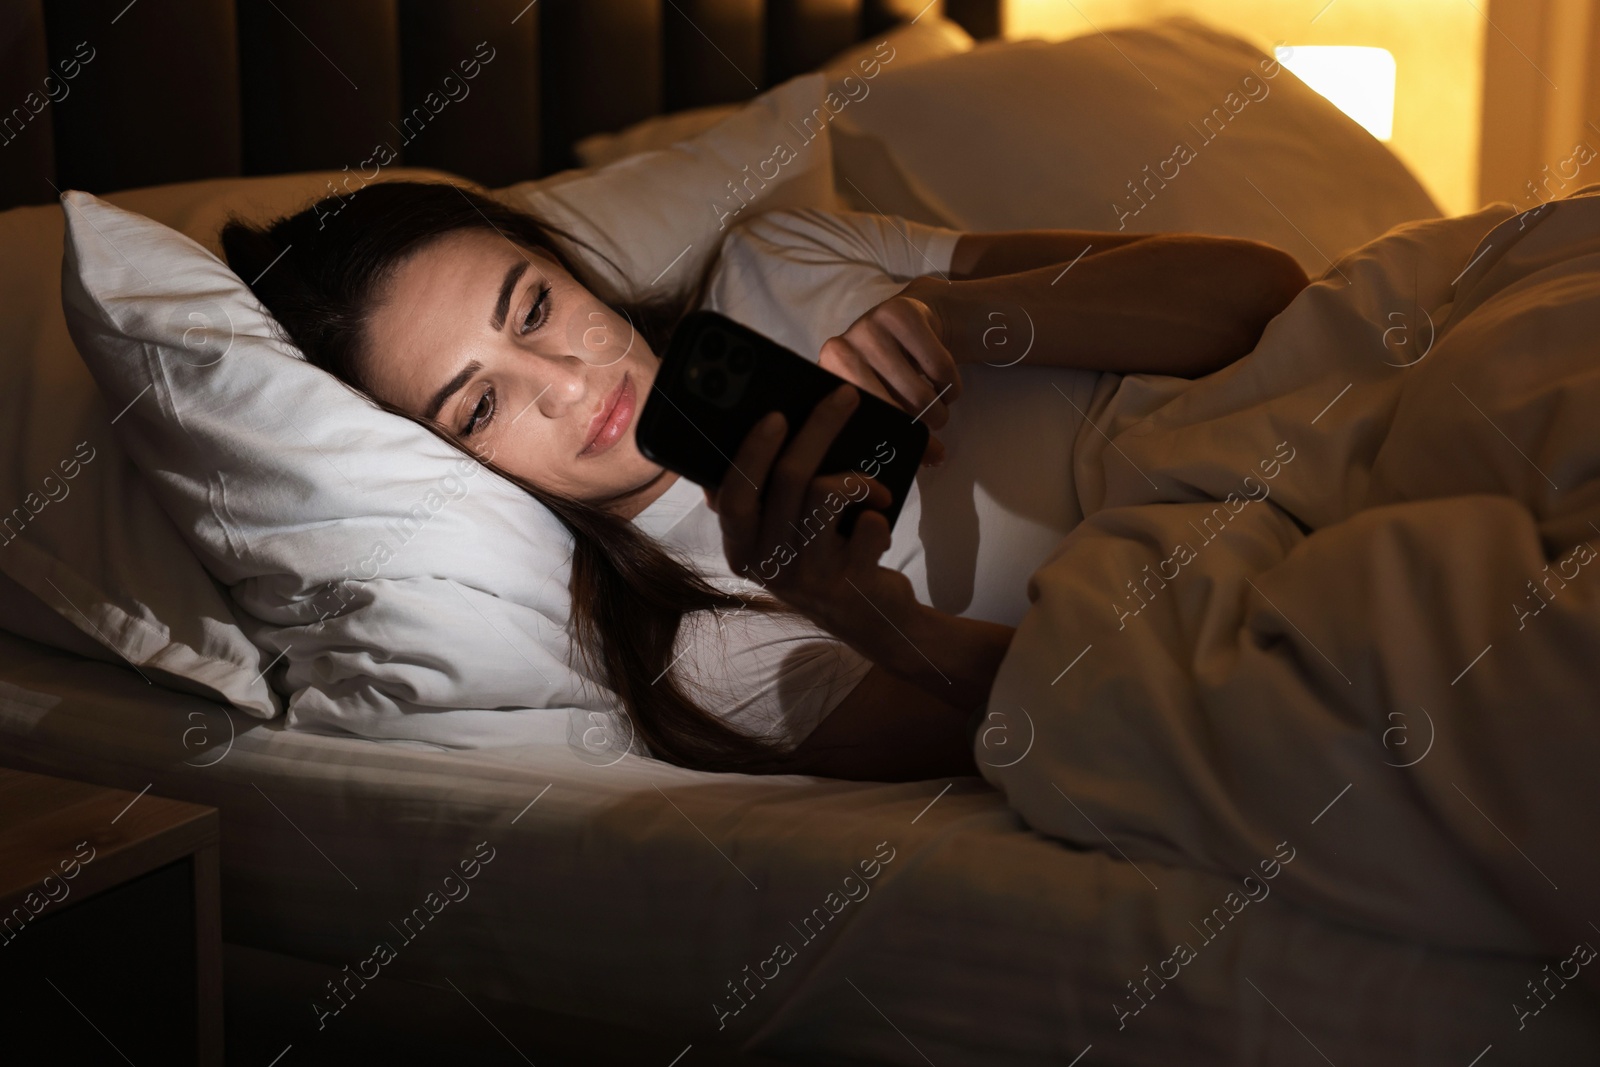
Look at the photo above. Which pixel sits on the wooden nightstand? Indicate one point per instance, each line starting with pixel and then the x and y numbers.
pixel 110 925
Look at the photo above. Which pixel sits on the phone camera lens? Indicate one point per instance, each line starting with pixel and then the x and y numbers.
pixel 712 344
pixel 739 359
pixel 712 383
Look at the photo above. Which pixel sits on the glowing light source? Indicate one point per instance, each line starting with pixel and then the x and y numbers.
pixel 1359 81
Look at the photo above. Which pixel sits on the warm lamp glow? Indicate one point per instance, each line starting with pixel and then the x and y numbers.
pixel 1359 81
pixel 1436 73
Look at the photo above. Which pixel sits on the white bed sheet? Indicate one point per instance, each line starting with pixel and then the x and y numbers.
pixel 634 893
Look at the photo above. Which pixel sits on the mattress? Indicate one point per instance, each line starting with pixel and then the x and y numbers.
pixel 808 919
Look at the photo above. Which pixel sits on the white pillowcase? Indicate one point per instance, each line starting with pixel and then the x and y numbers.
pixel 391 572
pixel 87 554
pixel 1050 134
pixel 397 589
pixel 656 132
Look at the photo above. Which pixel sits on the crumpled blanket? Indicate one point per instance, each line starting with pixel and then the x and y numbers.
pixel 1341 599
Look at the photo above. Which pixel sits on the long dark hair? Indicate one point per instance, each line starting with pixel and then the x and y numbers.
pixel 319 272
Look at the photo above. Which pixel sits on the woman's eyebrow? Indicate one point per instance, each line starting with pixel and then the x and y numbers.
pixel 462 377
pixel 502 306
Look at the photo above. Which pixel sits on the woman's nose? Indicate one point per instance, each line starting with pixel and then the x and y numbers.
pixel 561 381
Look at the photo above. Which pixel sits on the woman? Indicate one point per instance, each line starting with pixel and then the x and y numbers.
pixel 461 313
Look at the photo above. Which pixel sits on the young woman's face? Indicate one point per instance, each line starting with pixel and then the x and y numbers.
pixel 499 345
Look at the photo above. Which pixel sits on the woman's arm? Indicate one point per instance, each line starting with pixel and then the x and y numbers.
pixel 1179 304
pixel 888 730
pixel 910 717
pixel 983 255
pixel 907 718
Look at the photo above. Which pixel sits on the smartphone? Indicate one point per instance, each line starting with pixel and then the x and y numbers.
pixel 719 378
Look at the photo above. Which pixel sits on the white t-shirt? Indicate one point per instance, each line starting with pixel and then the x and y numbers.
pixel 1004 496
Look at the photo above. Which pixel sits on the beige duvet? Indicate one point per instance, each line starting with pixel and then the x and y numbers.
pixel 1341 600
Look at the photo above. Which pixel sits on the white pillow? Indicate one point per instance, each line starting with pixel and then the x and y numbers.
pixel 390 571
pixel 1057 134
pixel 89 547
pixel 295 491
pixel 905 44
pixel 660 215
pixel 655 132
pixel 930 37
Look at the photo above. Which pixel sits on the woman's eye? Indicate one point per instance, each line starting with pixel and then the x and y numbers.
pixel 537 309
pixel 480 414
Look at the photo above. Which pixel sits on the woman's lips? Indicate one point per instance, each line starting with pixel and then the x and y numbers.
pixel 609 426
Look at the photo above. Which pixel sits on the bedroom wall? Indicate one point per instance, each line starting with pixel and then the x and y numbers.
pixel 1541 137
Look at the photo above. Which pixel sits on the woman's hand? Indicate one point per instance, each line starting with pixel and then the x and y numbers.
pixel 780 527
pixel 897 351
pixel 790 543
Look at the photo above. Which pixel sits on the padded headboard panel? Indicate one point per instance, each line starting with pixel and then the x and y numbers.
pixel 112 94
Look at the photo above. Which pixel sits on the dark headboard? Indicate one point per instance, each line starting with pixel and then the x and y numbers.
pixel 111 94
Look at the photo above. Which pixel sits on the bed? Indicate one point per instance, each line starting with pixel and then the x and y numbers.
pixel 624 913
pixel 627 910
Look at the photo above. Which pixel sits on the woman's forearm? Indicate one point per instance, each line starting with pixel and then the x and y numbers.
pixel 1167 304
pixel 952 658
pixel 983 255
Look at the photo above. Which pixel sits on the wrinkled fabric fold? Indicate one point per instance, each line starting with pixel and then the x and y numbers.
pixel 1342 595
